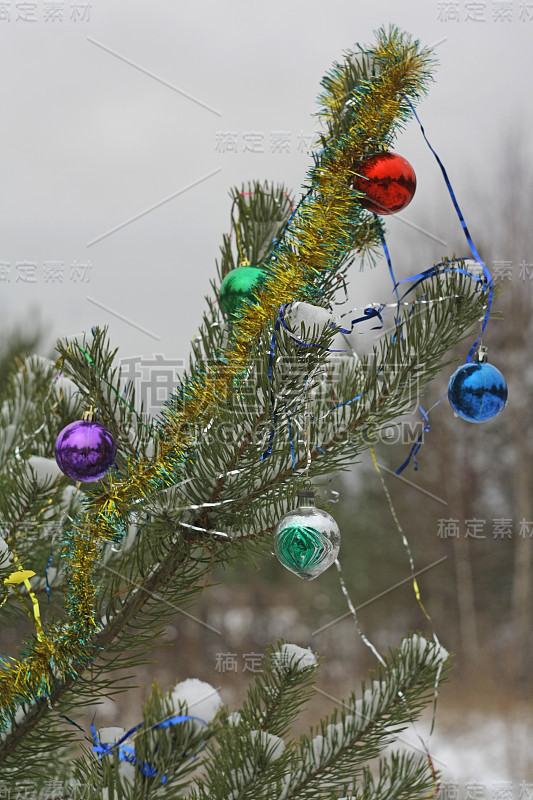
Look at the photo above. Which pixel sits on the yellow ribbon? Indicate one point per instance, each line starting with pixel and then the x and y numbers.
pixel 23 576
pixel 18 577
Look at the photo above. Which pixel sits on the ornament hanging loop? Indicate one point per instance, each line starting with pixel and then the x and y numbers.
pixel 481 355
pixel 308 433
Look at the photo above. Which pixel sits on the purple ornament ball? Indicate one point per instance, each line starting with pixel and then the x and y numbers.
pixel 85 450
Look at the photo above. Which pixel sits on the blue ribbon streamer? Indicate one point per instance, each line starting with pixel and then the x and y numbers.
pixel 291 442
pixel 46 574
pixel 268 451
pixel 437 269
pixel 281 319
pixel 431 272
pixel 489 283
pixel 473 249
pixel 389 264
pixel 417 445
pixel 64 716
pixel 126 753
pixel 368 314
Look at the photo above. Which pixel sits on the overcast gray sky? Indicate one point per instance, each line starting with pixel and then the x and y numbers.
pixel 90 140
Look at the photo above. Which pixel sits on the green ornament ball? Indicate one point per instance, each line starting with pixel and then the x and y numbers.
pixel 238 286
pixel 307 539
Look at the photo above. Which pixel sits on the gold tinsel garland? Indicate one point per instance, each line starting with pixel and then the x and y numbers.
pixel 327 223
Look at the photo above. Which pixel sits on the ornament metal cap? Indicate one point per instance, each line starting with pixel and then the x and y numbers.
pixel 481 355
pixel 306 497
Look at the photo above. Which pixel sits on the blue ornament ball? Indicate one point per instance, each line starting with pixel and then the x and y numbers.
pixel 477 391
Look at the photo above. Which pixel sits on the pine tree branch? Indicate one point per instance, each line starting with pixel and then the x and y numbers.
pixel 102 640
pixel 303 260
pixel 247 765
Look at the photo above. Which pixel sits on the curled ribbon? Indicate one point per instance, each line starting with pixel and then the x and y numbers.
pixel 126 753
pixel 369 313
pixel 487 282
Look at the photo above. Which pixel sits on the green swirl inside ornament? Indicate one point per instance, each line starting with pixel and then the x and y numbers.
pixel 300 547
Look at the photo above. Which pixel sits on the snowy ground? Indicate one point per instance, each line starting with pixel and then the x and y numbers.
pixel 480 757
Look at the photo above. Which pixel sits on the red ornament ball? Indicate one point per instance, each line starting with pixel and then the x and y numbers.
pixel 388 182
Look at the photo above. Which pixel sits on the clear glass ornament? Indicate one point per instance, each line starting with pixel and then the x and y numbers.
pixel 307 539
